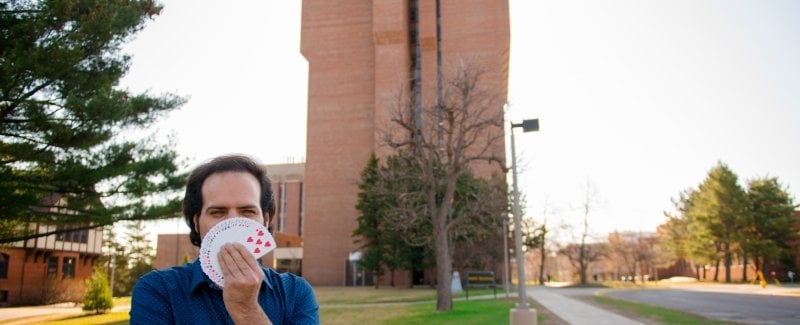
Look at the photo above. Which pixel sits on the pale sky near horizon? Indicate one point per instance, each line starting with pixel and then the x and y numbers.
pixel 641 98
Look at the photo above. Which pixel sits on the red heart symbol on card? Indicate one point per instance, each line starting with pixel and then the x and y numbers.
pixel 249 239
pixel 259 242
pixel 268 244
pixel 260 233
pixel 257 250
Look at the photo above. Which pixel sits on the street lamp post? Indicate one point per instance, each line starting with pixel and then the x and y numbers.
pixel 522 314
pixel 505 253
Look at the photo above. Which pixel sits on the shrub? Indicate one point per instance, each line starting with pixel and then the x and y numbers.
pixel 98 295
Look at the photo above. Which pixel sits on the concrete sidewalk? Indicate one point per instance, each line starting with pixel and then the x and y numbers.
pixel 23 315
pixel 574 311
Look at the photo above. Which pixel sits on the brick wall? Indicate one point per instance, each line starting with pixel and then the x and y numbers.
pixel 27 280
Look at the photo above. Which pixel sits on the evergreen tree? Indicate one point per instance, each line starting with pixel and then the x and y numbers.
pixel 394 226
pixel 720 207
pixel 98 294
pixel 138 254
pixel 712 223
pixel 116 262
pixel 479 206
pixel 702 245
pixel 386 194
pixel 673 238
pixel 64 120
pixel 369 233
pixel 720 218
pixel 770 228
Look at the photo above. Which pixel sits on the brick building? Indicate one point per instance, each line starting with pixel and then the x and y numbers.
pixel 360 53
pixel 287 184
pixel 48 269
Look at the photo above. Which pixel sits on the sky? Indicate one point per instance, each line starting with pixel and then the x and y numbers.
pixel 638 99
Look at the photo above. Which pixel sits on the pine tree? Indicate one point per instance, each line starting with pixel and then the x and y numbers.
pixel 64 152
pixel 371 209
pixel 720 207
pixel 139 255
pixel 770 229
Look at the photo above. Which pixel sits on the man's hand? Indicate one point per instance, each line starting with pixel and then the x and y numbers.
pixel 243 279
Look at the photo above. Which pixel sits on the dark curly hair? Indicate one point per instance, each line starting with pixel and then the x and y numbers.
pixel 193 199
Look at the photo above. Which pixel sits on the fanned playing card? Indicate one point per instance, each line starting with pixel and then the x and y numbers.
pixel 253 235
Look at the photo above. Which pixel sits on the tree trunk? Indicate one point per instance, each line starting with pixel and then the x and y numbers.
pixel 744 268
pixel 716 271
pixel 391 278
pixel 444 298
pixel 756 263
pixel 582 264
pixel 728 262
pixel 541 262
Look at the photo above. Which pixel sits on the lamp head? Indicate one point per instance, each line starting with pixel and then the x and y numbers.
pixel 528 125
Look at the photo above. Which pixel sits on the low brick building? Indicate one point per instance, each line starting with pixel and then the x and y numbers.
pixel 48 269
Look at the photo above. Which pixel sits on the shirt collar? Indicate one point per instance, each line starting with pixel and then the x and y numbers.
pixel 199 277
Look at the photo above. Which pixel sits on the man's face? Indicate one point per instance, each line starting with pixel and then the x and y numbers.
pixel 226 195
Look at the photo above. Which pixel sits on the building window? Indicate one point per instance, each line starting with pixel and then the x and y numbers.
pixel 3 295
pixel 52 267
pixel 68 268
pixel 75 236
pixel 3 266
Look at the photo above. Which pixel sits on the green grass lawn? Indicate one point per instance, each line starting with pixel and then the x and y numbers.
pixel 364 295
pixel 488 312
pixel 116 318
pixel 341 306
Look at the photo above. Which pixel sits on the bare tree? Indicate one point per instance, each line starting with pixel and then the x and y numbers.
pixel 543 231
pixel 470 121
pixel 636 252
pixel 586 254
pixel 582 255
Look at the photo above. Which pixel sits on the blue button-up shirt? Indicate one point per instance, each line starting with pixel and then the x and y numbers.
pixel 185 295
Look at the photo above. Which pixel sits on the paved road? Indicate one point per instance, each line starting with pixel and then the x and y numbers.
pixel 736 307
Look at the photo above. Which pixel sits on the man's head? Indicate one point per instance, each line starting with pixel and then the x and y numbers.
pixel 223 187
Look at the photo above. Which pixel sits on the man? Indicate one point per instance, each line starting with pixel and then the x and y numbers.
pixel 225 187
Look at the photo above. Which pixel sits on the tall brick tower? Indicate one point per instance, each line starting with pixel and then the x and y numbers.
pixel 360 52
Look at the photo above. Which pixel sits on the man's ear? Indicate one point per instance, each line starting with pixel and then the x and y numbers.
pixel 267 223
pixel 196 218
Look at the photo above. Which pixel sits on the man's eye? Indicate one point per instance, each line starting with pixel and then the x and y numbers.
pixel 217 213
pixel 250 212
